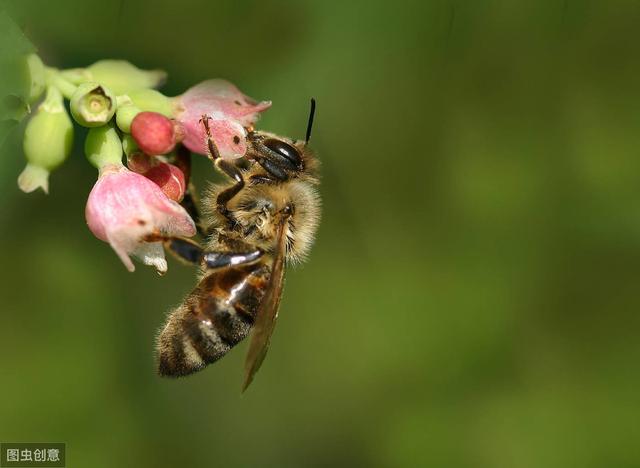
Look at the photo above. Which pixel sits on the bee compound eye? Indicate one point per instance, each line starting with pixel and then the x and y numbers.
pixel 284 149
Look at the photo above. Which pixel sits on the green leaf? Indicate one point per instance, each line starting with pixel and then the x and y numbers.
pixel 14 80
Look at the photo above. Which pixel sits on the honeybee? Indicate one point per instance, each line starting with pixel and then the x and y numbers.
pixel 265 216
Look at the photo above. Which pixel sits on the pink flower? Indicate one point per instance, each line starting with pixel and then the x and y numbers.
pixel 168 177
pixel 230 112
pixel 124 208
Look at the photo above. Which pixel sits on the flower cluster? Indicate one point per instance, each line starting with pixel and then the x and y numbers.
pixel 138 200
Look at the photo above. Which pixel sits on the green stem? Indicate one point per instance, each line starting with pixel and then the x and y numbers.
pixel 56 79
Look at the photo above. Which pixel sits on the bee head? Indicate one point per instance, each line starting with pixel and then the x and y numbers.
pixel 280 157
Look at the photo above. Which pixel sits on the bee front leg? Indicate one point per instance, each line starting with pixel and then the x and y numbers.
pixel 192 253
pixel 277 157
pixel 227 168
pixel 223 198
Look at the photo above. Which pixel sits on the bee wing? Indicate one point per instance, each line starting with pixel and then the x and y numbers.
pixel 267 312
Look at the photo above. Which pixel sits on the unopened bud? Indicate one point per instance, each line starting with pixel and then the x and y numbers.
pixel 152 101
pixel 47 142
pixel 76 75
pixel 121 76
pixel 103 147
pixel 92 105
pixel 125 115
pixel 154 133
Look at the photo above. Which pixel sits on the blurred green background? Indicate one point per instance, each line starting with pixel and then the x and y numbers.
pixel 472 298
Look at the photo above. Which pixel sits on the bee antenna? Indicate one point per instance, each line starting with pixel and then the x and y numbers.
pixel 312 112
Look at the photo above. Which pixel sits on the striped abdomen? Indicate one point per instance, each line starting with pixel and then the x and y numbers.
pixel 217 315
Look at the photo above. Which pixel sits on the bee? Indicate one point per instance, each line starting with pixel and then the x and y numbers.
pixel 262 218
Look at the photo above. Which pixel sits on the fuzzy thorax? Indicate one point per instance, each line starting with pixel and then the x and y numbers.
pixel 256 211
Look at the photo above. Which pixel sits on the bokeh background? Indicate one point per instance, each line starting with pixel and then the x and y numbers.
pixel 472 299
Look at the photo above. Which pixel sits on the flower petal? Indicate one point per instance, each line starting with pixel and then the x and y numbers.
pixel 152 254
pixel 222 96
pixel 230 111
pixel 228 135
pixel 32 178
pixel 121 243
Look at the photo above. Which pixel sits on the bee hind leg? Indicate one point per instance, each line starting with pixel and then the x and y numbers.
pixel 192 253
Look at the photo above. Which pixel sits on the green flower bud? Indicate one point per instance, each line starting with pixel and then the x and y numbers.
pixel 125 116
pixel 92 105
pixel 48 138
pixel 121 76
pixel 123 100
pixel 37 77
pixel 152 101
pixel 76 75
pixel 129 145
pixel 103 146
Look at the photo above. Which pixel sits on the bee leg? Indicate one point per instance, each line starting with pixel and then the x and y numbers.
pixel 233 172
pixel 184 249
pixel 225 259
pixel 261 179
pixel 273 168
pixel 192 253
pixel 279 159
pixel 227 168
